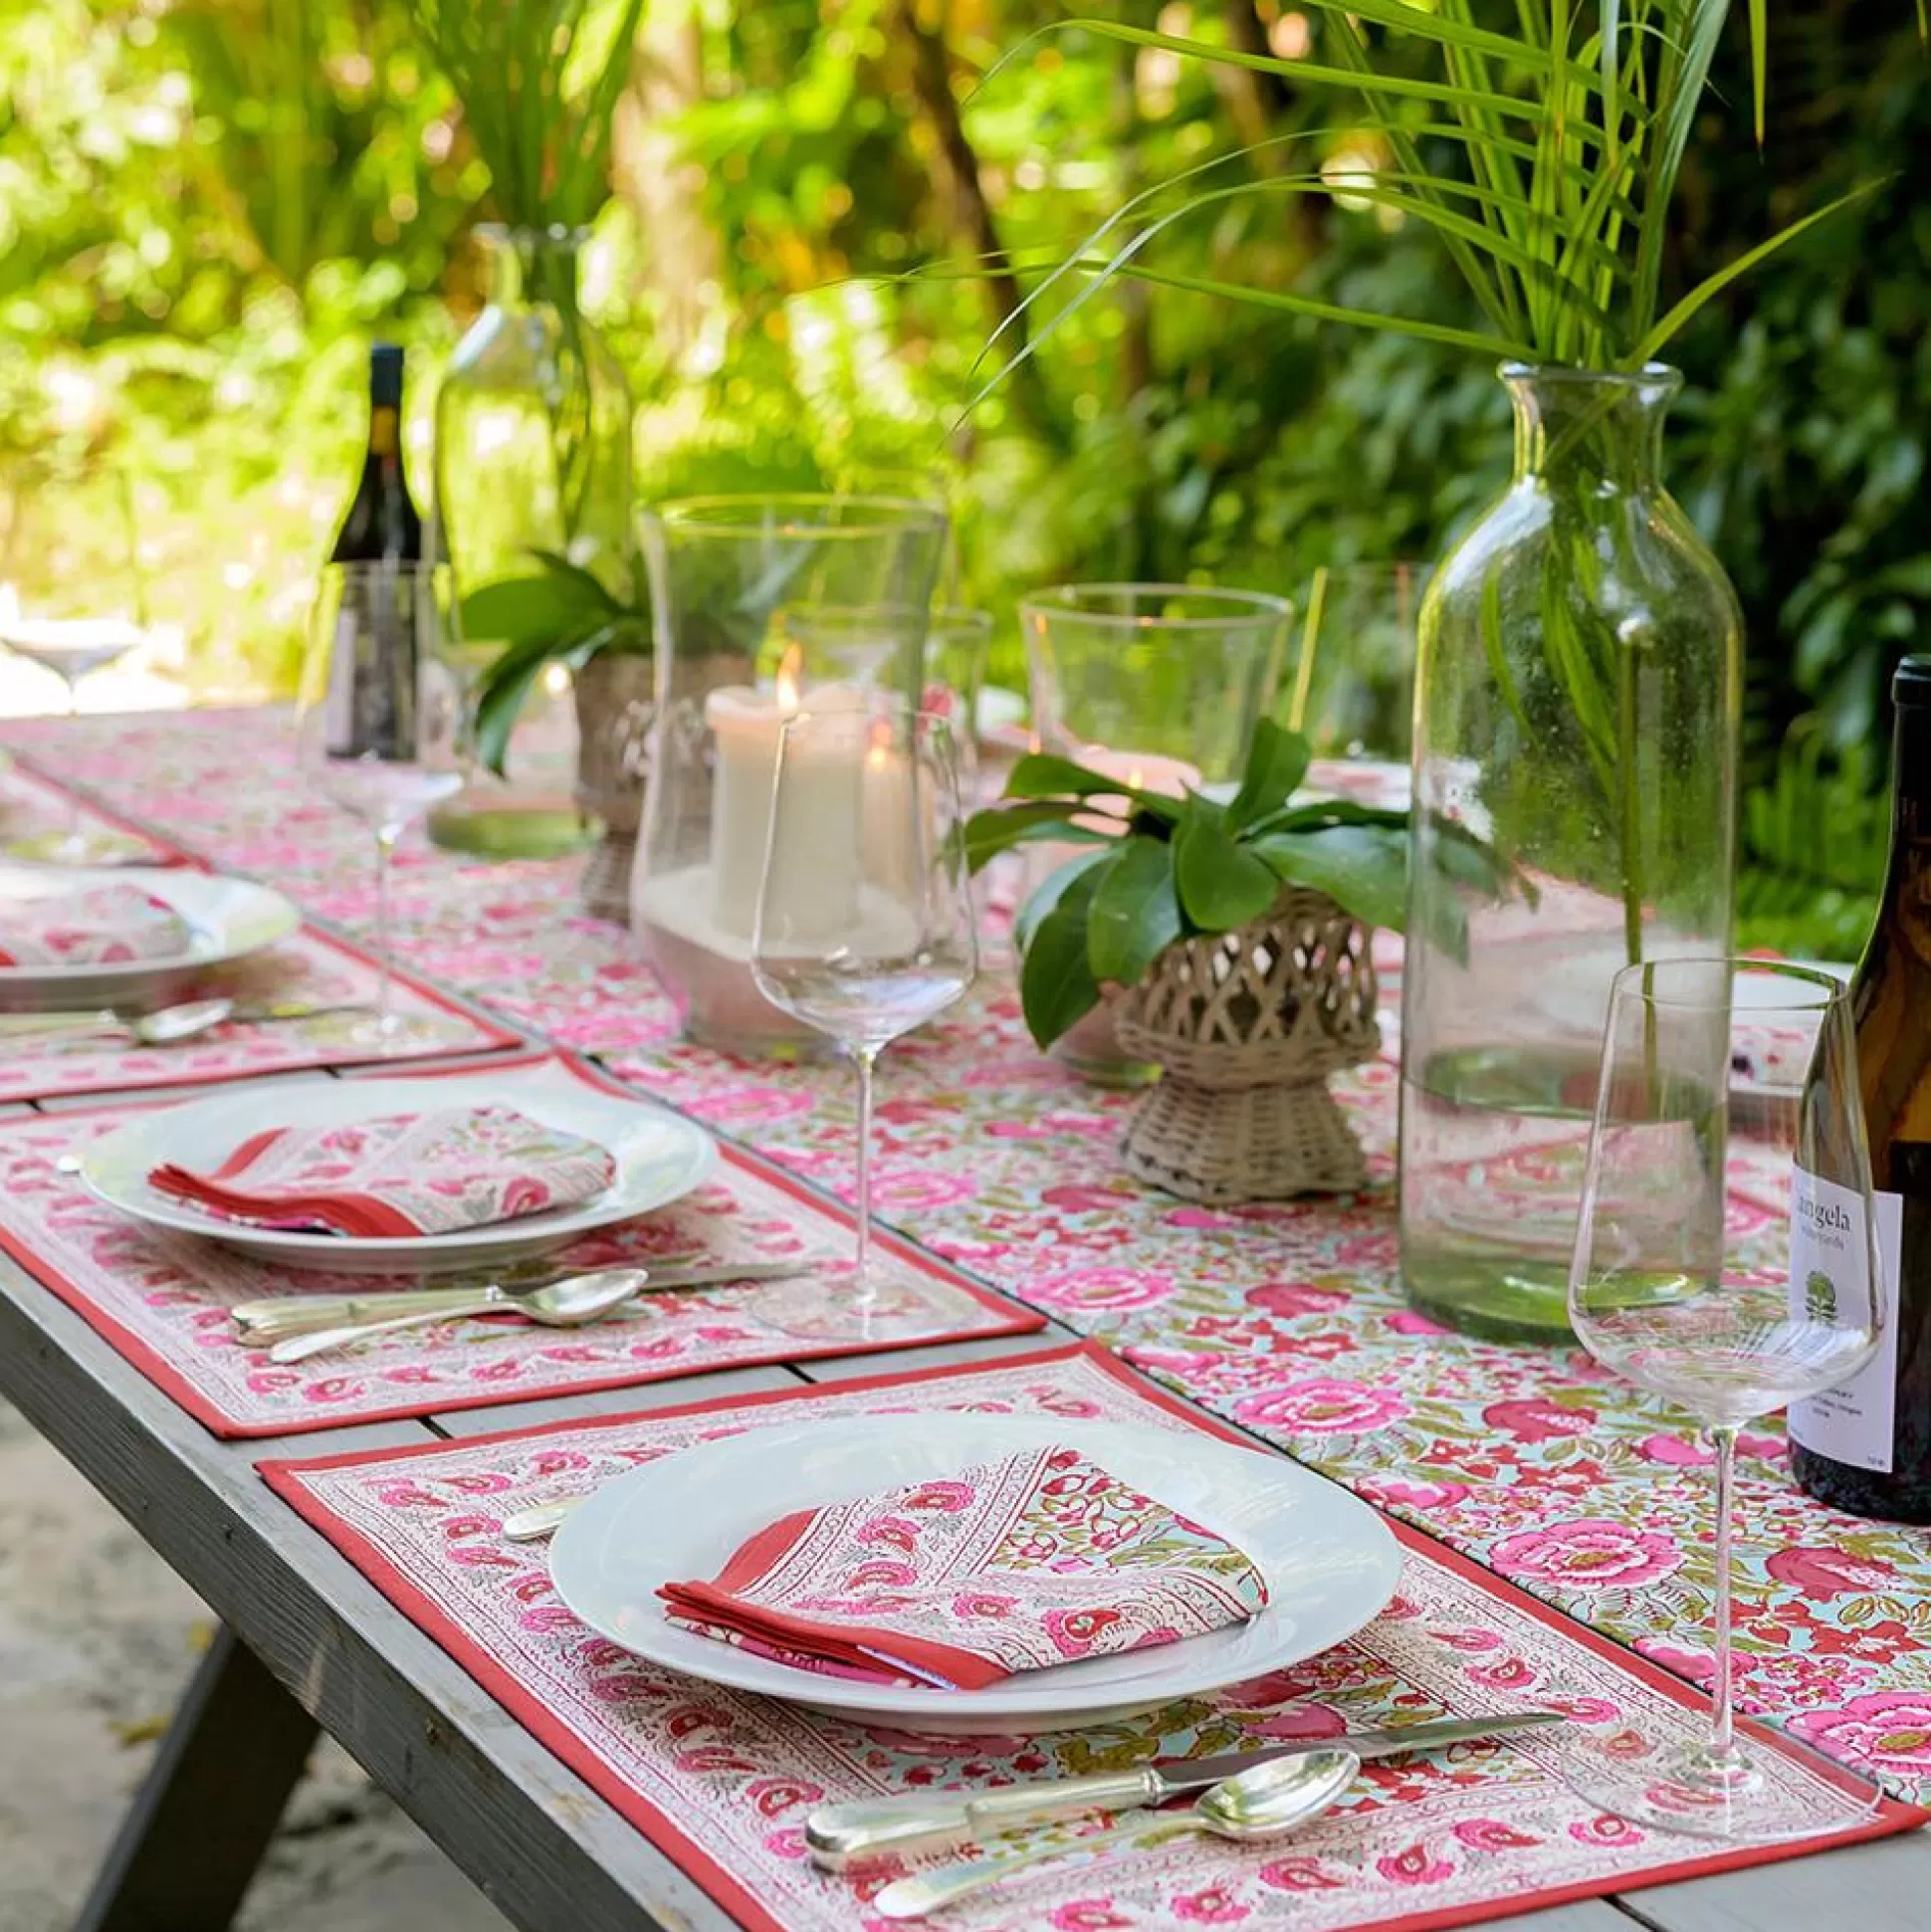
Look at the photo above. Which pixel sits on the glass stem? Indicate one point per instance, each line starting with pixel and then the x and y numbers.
pixel 385 836
pixel 1723 1735
pixel 867 1058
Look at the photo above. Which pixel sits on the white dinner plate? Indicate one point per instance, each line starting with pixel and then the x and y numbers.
pixel 660 1157
pixel 1329 1561
pixel 227 919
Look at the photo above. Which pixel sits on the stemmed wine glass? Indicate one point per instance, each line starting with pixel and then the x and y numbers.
pixel 1725 1259
pixel 379 733
pixel 865 926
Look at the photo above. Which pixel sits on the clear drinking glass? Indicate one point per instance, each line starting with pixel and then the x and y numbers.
pixel 379 731
pixel 1726 1260
pixel 1352 692
pixel 1170 676
pixel 865 926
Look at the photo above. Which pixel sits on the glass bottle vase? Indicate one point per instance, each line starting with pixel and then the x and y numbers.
pixel 1577 708
pixel 533 476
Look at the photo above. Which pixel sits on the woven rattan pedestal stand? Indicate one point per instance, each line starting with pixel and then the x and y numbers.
pixel 1247 1026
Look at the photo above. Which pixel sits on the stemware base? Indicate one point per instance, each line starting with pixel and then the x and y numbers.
pixel 829 1307
pixel 396 1033
pixel 1745 1796
pixel 81 848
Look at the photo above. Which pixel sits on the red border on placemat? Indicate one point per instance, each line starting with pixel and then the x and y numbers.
pixel 284 1476
pixel 1018 1319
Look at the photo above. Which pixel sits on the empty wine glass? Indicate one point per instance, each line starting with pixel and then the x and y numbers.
pixel 865 925
pixel 380 733
pixel 71 600
pixel 1725 1259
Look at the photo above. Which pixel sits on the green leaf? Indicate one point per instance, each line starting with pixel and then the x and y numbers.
pixel 591 589
pixel 516 610
pixel 1223 883
pixel 1493 347
pixel 1053 888
pixel 1364 869
pixel 1713 284
pixel 1136 913
pixel 1040 775
pixel 1001 827
pixel 1277 761
pixel 1057 988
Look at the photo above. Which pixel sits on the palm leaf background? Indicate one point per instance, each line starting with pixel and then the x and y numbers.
pixel 1566 126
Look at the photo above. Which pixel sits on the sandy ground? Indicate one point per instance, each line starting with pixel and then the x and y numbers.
pixel 97 1638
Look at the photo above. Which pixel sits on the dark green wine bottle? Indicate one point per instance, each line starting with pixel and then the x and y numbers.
pixel 1866 1446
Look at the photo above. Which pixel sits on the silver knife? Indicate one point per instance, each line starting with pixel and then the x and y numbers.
pixel 838 1835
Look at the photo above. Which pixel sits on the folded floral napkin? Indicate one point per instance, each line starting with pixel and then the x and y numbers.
pixel 956 1582
pixel 400 1175
pixel 114 925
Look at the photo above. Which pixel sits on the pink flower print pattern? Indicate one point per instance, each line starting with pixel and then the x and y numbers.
pixel 1325 1405
pixel 1037 1559
pixel 1884 1732
pixel 1590 1552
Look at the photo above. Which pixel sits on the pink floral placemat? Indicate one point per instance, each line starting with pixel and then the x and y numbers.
pixel 162 1300
pixel 309 969
pixel 722 1781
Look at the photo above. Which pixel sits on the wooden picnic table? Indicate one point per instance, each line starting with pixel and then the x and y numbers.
pixel 306 1643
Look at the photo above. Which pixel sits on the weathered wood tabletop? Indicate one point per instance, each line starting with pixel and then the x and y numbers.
pixel 308 1643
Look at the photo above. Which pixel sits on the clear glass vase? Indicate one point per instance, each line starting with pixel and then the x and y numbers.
pixel 532 464
pixel 1577 706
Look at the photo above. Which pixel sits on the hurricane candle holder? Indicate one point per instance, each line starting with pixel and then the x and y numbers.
pixel 763 607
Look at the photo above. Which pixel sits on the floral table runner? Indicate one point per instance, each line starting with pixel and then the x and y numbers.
pixel 723 1781
pixel 1287 1317
pixel 164 1299
pixel 309 969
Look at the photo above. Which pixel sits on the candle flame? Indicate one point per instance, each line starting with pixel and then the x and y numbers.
pixel 880 745
pixel 789 669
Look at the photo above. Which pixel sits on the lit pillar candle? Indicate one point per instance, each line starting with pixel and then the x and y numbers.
pixel 817 891
pixel 897 829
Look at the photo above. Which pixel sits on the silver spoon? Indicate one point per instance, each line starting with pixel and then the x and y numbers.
pixel 162 1027
pixel 563 1304
pixel 1265 1802
pixel 166 1026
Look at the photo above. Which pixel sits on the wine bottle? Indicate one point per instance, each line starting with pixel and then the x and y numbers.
pixel 1866 1446
pixel 373 668
pixel 381 524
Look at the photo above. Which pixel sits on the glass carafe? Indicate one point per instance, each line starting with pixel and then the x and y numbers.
pixel 1577 706
pixel 533 481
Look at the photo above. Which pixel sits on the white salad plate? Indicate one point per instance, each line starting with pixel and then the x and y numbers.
pixel 1329 1561
pixel 227 919
pixel 660 1158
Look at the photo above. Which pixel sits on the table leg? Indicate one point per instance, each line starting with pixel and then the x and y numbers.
pixel 203 1816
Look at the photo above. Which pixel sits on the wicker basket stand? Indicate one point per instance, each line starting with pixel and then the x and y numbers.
pixel 1247 1026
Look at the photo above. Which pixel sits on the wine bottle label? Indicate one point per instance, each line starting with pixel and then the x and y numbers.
pixel 1852 1422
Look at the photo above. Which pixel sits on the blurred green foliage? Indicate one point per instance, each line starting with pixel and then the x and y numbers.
pixel 207 208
